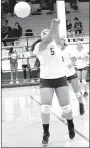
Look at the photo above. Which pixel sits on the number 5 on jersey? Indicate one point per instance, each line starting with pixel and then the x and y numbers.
pixel 52 51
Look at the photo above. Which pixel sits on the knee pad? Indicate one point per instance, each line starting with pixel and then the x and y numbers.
pixel 66 109
pixel 78 94
pixel 84 81
pixel 46 109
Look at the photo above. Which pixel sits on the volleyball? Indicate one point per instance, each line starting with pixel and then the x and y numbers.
pixel 22 9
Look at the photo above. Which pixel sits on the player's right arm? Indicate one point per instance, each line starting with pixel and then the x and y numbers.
pixel 52 30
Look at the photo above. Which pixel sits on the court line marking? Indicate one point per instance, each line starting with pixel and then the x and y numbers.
pixel 80 134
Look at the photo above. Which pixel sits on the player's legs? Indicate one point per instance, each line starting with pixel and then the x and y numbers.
pixel 46 99
pixel 84 73
pixel 46 94
pixel 12 72
pixel 62 93
pixel 75 86
pixel 29 71
pixel 16 72
pixel 24 71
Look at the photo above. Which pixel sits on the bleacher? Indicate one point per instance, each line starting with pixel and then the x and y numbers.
pixel 38 22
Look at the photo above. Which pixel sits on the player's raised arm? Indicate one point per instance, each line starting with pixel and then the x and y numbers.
pixel 56 36
pixel 46 34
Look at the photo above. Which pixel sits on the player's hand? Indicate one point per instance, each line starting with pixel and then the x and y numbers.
pixel 70 65
pixel 56 21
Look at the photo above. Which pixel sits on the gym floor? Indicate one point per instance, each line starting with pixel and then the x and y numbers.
pixel 21 120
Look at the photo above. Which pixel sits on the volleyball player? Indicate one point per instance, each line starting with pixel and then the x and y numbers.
pixel 26 64
pixel 13 57
pixel 81 58
pixel 71 74
pixel 52 77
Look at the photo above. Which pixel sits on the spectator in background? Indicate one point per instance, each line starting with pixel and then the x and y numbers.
pixel 49 4
pixel 74 4
pixel 13 64
pixel 11 6
pixel 6 7
pixel 78 27
pixel 69 27
pixel 17 30
pixel 26 64
pixel 4 28
pixel 27 1
pixel 6 32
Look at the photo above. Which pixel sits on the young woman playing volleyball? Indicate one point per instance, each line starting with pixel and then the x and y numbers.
pixel 52 78
pixel 71 73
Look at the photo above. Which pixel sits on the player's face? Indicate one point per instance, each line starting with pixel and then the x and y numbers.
pixel 44 34
pixel 79 46
pixel 62 41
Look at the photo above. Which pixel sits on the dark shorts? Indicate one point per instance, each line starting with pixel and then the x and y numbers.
pixel 72 77
pixel 26 66
pixel 85 68
pixel 78 31
pixel 53 83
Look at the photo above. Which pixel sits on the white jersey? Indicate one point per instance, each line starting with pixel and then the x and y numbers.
pixel 51 64
pixel 25 55
pixel 80 55
pixel 14 56
pixel 67 61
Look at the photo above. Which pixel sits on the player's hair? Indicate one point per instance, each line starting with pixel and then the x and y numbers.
pixel 79 43
pixel 33 45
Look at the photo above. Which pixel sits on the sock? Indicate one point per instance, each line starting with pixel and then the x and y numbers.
pixel 80 103
pixel 46 128
pixel 70 124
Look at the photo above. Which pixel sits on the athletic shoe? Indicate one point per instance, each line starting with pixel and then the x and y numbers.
pixel 85 94
pixel 11 82
pixel 17 81
pixel 25 81
pixel 32 81
pixel 45 138
pixel 81 107
pixel 71 133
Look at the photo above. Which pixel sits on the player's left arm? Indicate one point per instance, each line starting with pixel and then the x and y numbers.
pixel 73 59
pixel 56 34
pixel 85 58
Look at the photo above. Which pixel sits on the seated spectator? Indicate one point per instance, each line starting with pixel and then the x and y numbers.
pixel 68 25
pixel 74 4
pixel 69 28
pixel 4 28
pixel 17 30
pixel 78 27
pixel 6 33
pixel 48 4
pixel 6 6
